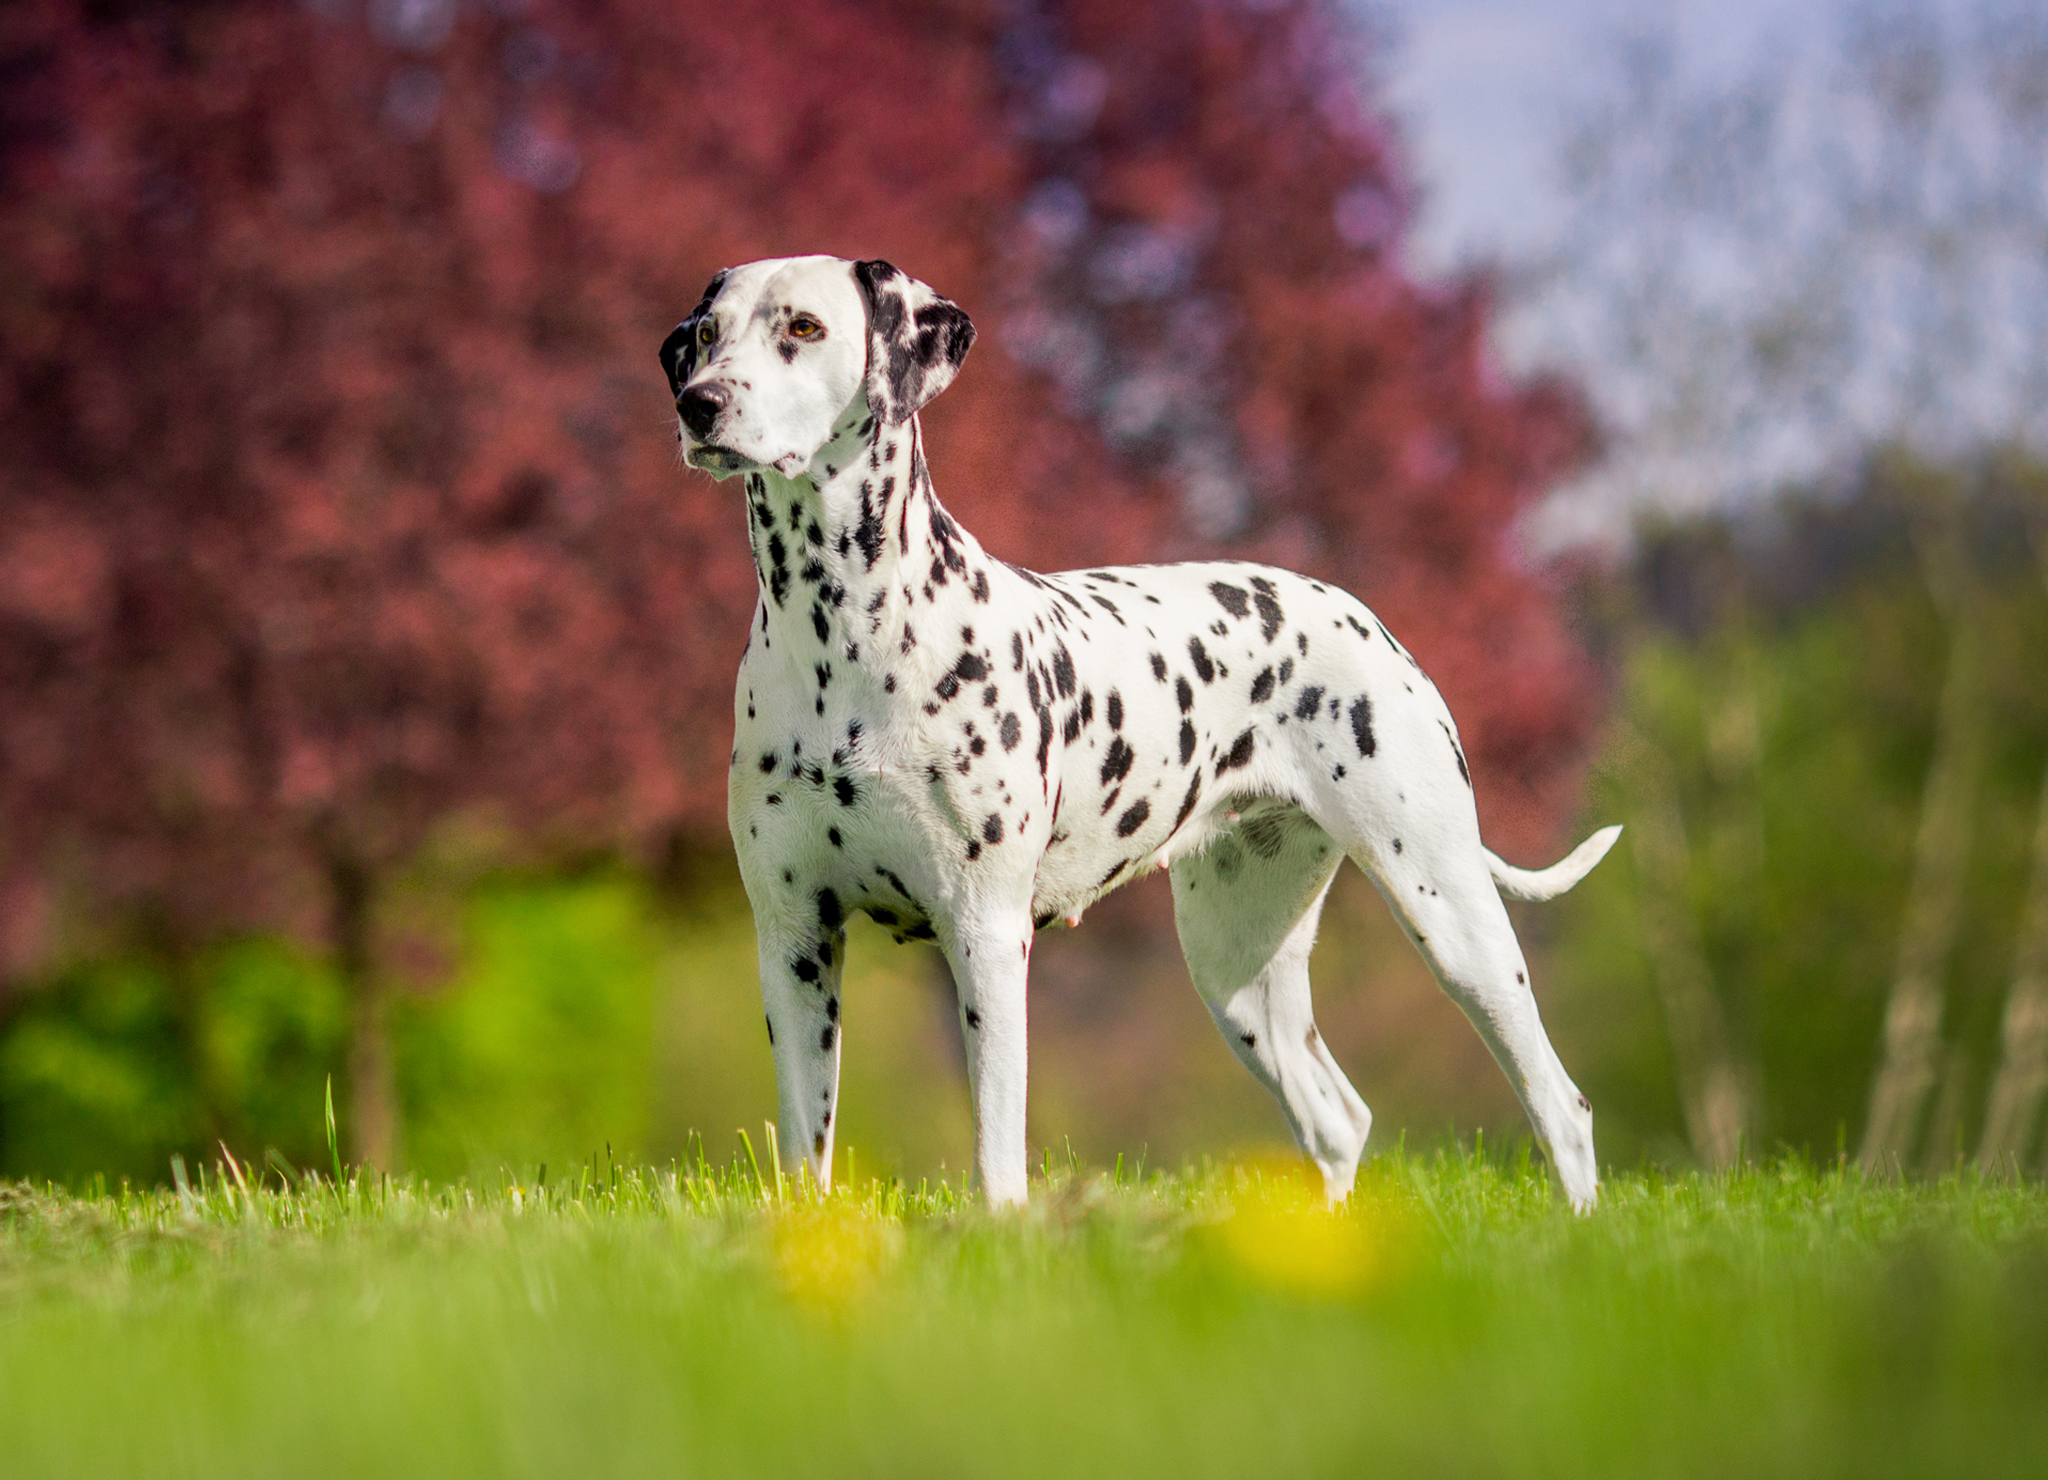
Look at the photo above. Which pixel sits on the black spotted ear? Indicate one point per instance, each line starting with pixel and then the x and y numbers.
pixel 916 340
pixel 679 350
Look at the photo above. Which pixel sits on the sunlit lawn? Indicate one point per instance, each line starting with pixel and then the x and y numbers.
pixel 1455 1320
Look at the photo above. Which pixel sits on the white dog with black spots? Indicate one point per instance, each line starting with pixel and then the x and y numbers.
pixel 970 752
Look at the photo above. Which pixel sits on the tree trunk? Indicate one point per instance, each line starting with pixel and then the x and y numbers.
pixel 1941 1149
pixel 1713 1089
pixel 1941 855
pixel 1735 851
pixel 2022 1076
pixel 373 1096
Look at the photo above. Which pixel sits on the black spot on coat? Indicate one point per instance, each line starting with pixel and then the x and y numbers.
pixel 1063 670
pixel 1231 598
pixel 1240 752
pixel 1117 763
pixel 1361 726
pixel 1270 615
pixel 868 532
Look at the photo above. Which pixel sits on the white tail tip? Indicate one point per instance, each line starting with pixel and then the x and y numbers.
pixel 1548 883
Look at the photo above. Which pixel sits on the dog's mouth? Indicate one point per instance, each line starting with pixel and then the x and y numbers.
pixel 714 459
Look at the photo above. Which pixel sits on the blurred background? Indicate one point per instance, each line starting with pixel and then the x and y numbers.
pixel 1674 381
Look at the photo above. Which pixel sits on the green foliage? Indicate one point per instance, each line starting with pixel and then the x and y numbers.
pixel 276 1021
pixel 538 1048
pixel 1455 1319
pixel 123 1062
pixel 1795 744
pixel 541 1047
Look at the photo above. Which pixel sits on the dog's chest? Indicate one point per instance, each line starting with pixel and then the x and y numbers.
pixel 846 782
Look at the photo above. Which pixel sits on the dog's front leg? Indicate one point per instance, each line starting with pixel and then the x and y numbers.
pixel 990 953
pixel 800 991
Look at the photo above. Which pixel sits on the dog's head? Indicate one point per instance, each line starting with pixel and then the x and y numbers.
pixel 779 351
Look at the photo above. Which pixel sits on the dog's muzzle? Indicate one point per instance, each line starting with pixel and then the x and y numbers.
pixel 699 408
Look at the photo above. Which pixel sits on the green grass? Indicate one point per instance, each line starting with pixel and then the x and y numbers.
pixel 1455 1320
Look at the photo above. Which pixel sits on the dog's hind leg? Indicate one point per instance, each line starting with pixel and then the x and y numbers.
pixel 1440 889
pixel 1247 909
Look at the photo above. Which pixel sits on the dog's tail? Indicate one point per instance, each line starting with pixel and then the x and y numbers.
pixel 1548 883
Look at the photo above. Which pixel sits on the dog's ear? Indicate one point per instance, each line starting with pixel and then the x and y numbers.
pixel 679 350
pixel 916 340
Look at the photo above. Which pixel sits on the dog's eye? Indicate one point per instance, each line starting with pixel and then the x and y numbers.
pixel 803 326
pixel 706 332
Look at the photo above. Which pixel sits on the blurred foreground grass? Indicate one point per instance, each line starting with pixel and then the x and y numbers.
pixel 1454 1320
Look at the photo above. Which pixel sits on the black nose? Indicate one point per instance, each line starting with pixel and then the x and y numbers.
pixel 699 407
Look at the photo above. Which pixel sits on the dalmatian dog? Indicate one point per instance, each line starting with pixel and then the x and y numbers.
pixel 970 752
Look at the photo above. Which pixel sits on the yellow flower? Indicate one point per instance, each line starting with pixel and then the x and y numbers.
pixel 828 1257
pixel 1280 1234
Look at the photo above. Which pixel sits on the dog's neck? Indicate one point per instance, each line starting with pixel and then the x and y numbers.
pixel 845 550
